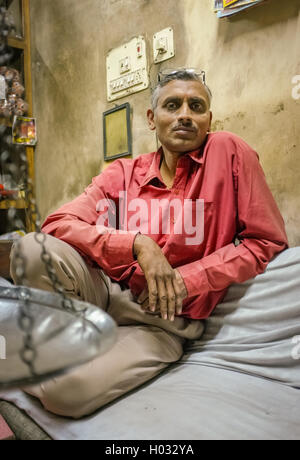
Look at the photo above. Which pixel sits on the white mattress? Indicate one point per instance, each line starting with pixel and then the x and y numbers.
pixel 241 380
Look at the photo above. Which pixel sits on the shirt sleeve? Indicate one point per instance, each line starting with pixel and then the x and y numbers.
pixel 260 231
pixel 90 223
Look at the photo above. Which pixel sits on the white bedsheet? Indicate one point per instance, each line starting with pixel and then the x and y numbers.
pixel 239 381
pixel 256 329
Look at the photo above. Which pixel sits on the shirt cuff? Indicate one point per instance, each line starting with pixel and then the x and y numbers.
pixel 120 248
pixel 195 280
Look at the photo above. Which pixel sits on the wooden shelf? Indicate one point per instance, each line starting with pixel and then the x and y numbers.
pixel 16 43
pixel 17 204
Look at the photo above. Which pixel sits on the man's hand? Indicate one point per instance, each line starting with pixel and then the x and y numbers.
pixel 166 287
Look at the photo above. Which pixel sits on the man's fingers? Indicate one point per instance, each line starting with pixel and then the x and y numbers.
pixel 162 298
pixel 171 299
pixel 179 297
pixel 153 293
pixel 145 305
pixel 143 296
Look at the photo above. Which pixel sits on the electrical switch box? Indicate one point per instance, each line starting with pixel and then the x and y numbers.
pixel 163 45
pixel 126 68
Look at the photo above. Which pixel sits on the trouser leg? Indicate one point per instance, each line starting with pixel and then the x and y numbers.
pixel 146 344
pixel 140 353
pixel 78 280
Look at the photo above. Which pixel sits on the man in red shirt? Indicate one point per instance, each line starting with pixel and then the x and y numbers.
pixel 166 233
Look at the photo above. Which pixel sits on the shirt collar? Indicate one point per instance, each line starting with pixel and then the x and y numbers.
pixel 196 155
pixel 154 170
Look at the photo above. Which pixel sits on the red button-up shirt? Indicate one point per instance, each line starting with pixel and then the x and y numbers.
pixel 241 230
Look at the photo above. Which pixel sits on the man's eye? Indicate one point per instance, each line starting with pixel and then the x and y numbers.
pixel 172 106
pixel 198 107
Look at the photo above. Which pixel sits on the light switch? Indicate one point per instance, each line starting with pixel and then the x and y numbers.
pixel 127 69
pixel 125 65
pixel 163 45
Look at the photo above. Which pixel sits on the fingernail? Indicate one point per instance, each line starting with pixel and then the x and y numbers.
pixel 165 316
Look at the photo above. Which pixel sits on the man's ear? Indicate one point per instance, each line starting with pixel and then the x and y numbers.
pixel 150 117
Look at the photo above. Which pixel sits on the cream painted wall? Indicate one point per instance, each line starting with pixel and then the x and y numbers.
pixel 250 61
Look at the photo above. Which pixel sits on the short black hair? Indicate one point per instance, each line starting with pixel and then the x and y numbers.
pixel 180 74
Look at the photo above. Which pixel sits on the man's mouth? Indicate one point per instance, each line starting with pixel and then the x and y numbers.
pixel 185 129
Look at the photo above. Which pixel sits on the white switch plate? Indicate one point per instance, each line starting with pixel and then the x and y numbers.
pixel 165 39
pixel 126 68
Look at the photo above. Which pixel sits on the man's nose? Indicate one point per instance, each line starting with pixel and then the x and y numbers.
pixel 185 114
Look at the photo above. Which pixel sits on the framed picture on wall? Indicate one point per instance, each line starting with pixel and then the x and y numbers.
pixel 117 139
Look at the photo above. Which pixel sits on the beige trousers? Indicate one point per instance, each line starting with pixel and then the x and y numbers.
pixel 146 344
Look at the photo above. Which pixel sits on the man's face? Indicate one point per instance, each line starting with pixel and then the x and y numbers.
pixel 182 117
